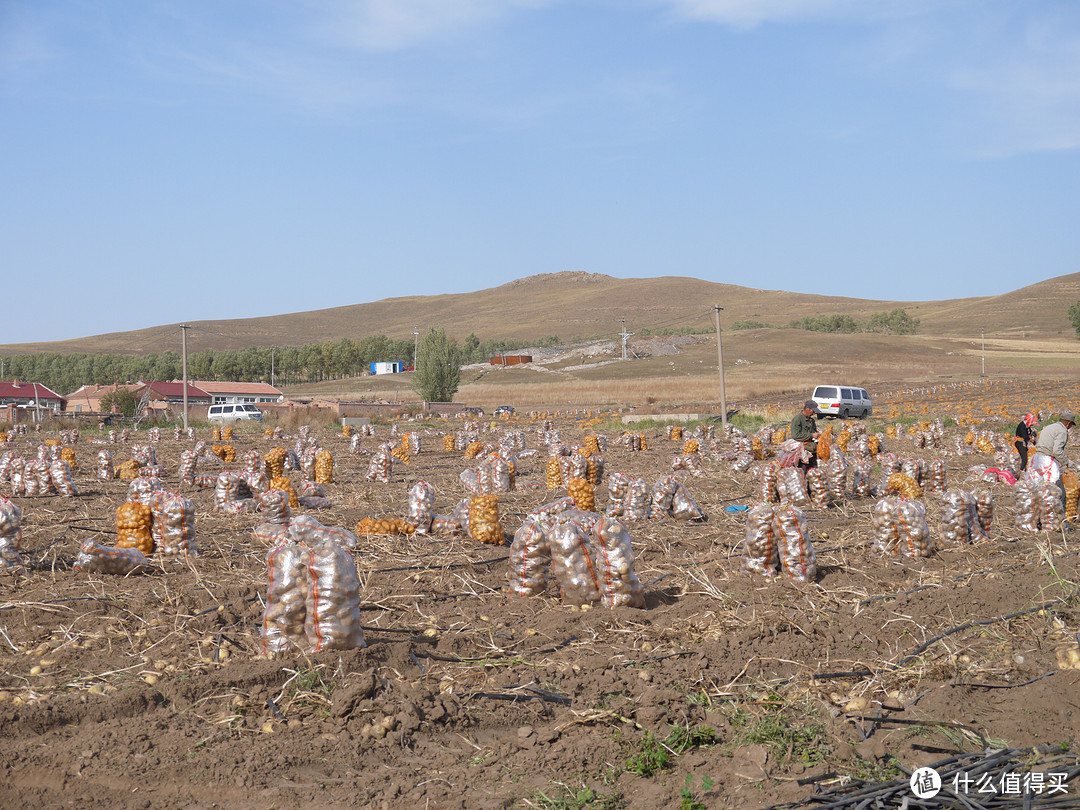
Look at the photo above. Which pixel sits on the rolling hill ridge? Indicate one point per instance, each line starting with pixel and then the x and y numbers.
pixel 584 305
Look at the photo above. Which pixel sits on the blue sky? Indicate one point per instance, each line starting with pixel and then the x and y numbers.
pixel 173 160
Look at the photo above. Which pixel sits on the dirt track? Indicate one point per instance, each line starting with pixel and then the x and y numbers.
pixel 148 691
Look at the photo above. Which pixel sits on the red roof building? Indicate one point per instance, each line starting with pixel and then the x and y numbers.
pixel 226 392
pixel 30 396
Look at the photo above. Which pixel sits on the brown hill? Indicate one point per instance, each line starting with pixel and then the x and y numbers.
pixel 583 305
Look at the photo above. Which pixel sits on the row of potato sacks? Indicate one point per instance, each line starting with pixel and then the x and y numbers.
pixel 776 538
pixel 153 521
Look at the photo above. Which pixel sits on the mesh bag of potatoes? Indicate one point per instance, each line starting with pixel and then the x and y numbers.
pixel 380 467
pixel 133 521
pixel 324 467
pixel 333 619
pixel 683 505
pixel 619 584
pixel 759 541
pixel 690 463
pixel 663 492
pixel 938 475
pixel 232 494
pixel 793 543
pixel 94 558
pixel 285 615
pixel 1051 508
pixel 960 522
pixel 791 485
pixel 274 460
pixel 10 534
pixel 142 488
pixel 618 490
pixel 173 524
pixel 1027 514
pixel 583 494
pixel 594 469
pixel 421 506
pixel 554 477
pixel 530 557
pixel 285 485
pixel 60 473
pixel 817 486
pixel 189 462
pixel 274 504
pixel 837 470
pixel 900 527
pixel 572 564
pixel 484 526
pixel 903 484
pixel 768 476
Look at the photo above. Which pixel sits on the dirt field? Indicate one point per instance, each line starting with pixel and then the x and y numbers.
pixel 728 690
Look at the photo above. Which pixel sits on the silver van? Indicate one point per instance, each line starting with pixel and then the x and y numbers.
pixel 238 412
pixel 843 401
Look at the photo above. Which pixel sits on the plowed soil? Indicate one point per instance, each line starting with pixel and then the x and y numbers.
pixel 728 690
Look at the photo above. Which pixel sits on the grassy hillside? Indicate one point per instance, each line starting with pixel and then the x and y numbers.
pixel 585 305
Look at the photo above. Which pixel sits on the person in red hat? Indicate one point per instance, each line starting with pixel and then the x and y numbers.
pixel 1025 438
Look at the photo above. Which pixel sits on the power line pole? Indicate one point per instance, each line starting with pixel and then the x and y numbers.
pixel 720 363
pixel 416 344
pixel 984 352
pixel 272 348
pixel 625 337
pixel 183 343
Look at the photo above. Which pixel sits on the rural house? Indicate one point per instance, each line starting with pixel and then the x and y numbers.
pixel 162 396
pixel 233 392
pixel 32 401
pixel 87 399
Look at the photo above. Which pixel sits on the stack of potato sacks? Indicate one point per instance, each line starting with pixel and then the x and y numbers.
pixel 153 520
pixel 313 599
pixel 777 539
pixel 589 555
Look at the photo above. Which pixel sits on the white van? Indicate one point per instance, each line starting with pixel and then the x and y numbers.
pixel 843 401
pixel 239 412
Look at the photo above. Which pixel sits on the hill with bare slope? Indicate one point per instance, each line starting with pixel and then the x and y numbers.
pixel 582 305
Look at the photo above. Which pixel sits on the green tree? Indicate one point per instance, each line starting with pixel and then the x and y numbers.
pixel 1074 317
pixel 895 322
pixel 122 400
pixel 438 367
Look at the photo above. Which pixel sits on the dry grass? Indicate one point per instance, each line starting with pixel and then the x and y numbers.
pixel 584 305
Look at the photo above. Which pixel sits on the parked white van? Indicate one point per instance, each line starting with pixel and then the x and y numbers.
pixel 843 401
pixel 240 412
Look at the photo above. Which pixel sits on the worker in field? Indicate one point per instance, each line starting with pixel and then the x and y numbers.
pixel 1025 438
pixel 804 429
pixel 1050 453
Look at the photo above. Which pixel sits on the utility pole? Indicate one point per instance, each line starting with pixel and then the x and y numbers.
pixel 272 364
pixel 720 363
pixel 984 352
pixel 416 344
pixel 183 344
pixel 625 337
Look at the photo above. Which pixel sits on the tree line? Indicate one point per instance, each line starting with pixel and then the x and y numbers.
pixel 280 365
pixel 894 322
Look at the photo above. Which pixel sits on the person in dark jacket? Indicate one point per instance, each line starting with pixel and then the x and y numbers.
pixel 804 429
pixel 1025 438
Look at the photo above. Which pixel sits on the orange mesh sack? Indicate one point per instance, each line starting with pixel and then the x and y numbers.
pixel 484 525
pixel 133 521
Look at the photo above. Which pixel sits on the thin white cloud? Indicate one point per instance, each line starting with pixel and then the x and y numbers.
pixel 751 13
pixel 1031 90
pixel 391 25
